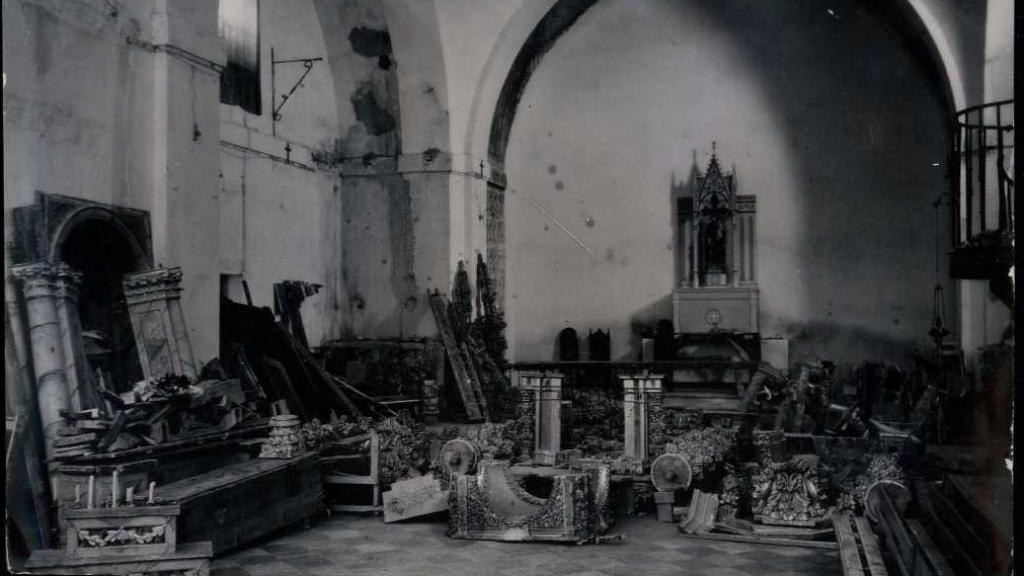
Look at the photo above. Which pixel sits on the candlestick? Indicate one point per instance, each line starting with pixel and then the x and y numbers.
pixel 129 496
pixel 113 490
pixel 152 485
pixel 78 495
pixel 92 490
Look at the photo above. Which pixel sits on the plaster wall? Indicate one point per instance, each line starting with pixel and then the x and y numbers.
pixel 115 102
pixel 844 153
pixel 279 211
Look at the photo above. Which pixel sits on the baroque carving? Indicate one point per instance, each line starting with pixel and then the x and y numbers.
pixel 493 506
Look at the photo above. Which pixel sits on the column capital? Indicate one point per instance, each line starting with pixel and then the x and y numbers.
pixel 159 284
pixel 47 278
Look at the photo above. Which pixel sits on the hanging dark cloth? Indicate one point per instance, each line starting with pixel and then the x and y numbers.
pixel 240 32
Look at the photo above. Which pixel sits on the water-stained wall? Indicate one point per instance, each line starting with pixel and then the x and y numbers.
pixel 832 119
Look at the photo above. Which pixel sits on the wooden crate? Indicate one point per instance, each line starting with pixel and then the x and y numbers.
pixel 237 504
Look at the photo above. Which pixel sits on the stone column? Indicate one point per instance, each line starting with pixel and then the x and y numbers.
pixel 81 393
pixel 547 398
pixel 39 283
pixel 161 337
pixel 734 251
pixel 643 414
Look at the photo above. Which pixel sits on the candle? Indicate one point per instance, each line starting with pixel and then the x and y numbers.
pixel 78 495
pixel 129 496
pixel 152 485
pixel 113 489
pixel 53 489
pixel 92 490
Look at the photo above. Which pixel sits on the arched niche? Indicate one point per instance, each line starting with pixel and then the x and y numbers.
pixel 104 243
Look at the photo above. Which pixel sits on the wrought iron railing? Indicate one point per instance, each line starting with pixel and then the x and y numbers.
pixel 983 173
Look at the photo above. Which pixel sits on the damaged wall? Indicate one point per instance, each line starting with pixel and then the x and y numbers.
pixel 845 156
pixel 280 212
pixel 392 161
pixel 116 102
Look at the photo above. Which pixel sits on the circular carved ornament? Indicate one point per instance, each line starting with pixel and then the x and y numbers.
pixel 713 316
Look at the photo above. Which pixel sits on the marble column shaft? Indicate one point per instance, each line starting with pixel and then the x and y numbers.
pixel 40 284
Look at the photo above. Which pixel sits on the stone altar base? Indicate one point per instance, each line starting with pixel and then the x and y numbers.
pixel 493 506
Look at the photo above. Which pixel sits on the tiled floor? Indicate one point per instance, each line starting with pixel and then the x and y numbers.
pixel 366 546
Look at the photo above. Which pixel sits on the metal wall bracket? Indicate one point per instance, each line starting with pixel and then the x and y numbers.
pixel 306 62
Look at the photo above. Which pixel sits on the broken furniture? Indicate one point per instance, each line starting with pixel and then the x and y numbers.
pixel 491 505
pixel 644 418
pixel 859 550
pixel 542 394
pixel 236 504
pixel 345 475
pixel 136 537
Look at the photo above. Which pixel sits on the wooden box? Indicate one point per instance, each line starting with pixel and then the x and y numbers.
pixel 236 504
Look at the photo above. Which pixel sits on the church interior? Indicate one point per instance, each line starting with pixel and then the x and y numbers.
pixel 509 287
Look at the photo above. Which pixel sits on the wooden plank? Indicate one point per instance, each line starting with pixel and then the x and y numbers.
pixel 462 377
pixel 340 479
pixel 936 561
pixel 224 477
pixel 115 428
pixel 355 508
pixel 767 541
pixel 872 554
pixel 896 535
pixel 849 553
pixel 310 363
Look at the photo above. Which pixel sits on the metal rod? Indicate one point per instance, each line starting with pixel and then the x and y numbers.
pixel 1001 184
pixel 983 178
pixel 272 61
pixel 556 222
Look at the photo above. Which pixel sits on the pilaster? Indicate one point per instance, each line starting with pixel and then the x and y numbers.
pixel 161 337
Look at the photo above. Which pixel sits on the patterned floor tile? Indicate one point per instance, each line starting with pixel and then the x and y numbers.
pixel 366 546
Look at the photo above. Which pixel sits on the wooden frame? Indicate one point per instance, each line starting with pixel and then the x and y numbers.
pixel 372 479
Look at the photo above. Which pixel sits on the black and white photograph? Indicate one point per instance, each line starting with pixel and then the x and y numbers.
pixel 509 287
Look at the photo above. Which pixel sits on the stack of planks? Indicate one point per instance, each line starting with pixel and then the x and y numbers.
pixel 266 356
pixel 967 545
pixel 912 548
pixel 858 546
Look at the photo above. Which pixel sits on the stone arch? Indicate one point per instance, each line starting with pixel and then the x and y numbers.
pixel 920 26
pixel 72 221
